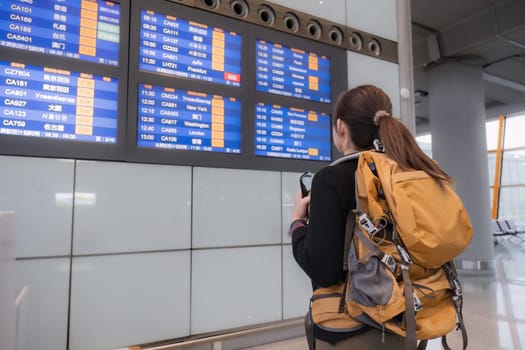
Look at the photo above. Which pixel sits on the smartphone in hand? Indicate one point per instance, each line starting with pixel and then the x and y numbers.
pixel 306 183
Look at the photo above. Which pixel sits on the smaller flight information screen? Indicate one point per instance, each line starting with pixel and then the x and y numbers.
pixel 82 29
pixel 188 120
pixel 292 133
pixel 292 72
pixel 174 46
pixel 59 104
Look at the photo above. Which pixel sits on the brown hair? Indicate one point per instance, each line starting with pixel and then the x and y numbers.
pixel 357 108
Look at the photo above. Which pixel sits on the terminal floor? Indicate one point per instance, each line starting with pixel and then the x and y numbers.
pixel 494 306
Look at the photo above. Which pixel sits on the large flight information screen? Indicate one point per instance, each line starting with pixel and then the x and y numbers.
pixel 59 104
pixel 188 120
pixel 292 133
pixel 174 46
pixel 82 29
pixel 292 72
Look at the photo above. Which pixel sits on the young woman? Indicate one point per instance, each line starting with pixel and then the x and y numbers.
pixel 360 116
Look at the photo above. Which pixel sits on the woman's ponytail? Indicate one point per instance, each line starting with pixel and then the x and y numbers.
pixel 367 111
pixel 401 146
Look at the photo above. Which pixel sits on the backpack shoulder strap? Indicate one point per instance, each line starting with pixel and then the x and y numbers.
pixel 349 235
pixel 450 271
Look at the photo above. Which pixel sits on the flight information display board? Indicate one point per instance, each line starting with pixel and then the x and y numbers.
pixel 292 72
pixel 174 46
pixel 59 104
pixel 188 120
pixel 82 29
pixel 292 133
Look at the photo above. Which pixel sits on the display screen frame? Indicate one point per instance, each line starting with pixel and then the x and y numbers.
pixel 276 133
pixel 338 73
pixel 138 76
pixel 130 76
pixel 23 17
pixel 50 147
pixel 273 58
pixel 182 35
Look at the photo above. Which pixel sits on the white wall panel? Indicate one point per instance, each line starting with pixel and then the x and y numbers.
pixel 39 191
pixel 122 300
pixel 42 313
pixel 235 287
pixel 290 186
pixel 8 287
pixel 236 207
pixel 377 17
pixel 297 288
pixel 332 10
pixel 123 207
pixel 368 70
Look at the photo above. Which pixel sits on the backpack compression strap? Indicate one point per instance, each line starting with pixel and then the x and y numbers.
pixel 349 236
pixel 410 312
pixel 450 271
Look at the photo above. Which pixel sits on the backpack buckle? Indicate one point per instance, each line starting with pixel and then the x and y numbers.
pixel 457 288
pixel 389 261
pixel 378 146
pixel 404 254
pixel 367 224
pixel 418 305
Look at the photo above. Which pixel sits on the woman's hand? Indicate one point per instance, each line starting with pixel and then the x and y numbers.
pixel 300 210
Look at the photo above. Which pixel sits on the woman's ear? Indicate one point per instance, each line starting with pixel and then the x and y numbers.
pixel 341 127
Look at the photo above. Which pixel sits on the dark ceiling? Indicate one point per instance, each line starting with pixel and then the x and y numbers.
pixel 486 33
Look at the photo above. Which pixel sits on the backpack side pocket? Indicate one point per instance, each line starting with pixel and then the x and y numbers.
pixel 327 312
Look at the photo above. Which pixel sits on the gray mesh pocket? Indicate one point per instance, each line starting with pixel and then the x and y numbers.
pixel 371 282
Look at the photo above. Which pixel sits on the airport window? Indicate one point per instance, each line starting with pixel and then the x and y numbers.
pixel 425 142
pixel 513 171
pixel 514 132
pixel 506 166
pixel 492 129
pixel 492 168
pixel 511 204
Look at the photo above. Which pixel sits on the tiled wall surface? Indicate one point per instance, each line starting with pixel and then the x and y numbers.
pixel 235 207
pixel 7 280
pixel 131 253
pixel 150 207
pixel 129 298
pixel 42 315
pixel 234 287
pixel 116 259
pixel 40 192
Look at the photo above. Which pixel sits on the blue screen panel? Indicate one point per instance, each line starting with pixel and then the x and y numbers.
pixel 82 29
pixel 292 133
pixel 187 49
pixel 292 72
pixel 187 120
pixel 59 104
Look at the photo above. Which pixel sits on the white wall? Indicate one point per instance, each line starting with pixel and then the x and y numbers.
pixel 152 249
pixel 7 281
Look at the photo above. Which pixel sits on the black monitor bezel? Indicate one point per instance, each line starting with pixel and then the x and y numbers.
pixel 137 76
pixel 338 72
pixel 130 76
pixel 247 93
pixel 46 147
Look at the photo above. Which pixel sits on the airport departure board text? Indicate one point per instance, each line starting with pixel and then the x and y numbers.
pixel 292 133
pixel 292 72
pixel 174 46
pixel 59 104
pixel 82 29
pixel 188 120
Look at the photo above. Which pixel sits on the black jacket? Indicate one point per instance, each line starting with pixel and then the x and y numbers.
pixel 318 247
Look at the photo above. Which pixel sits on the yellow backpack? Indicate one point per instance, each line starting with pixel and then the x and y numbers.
pixel 407 229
